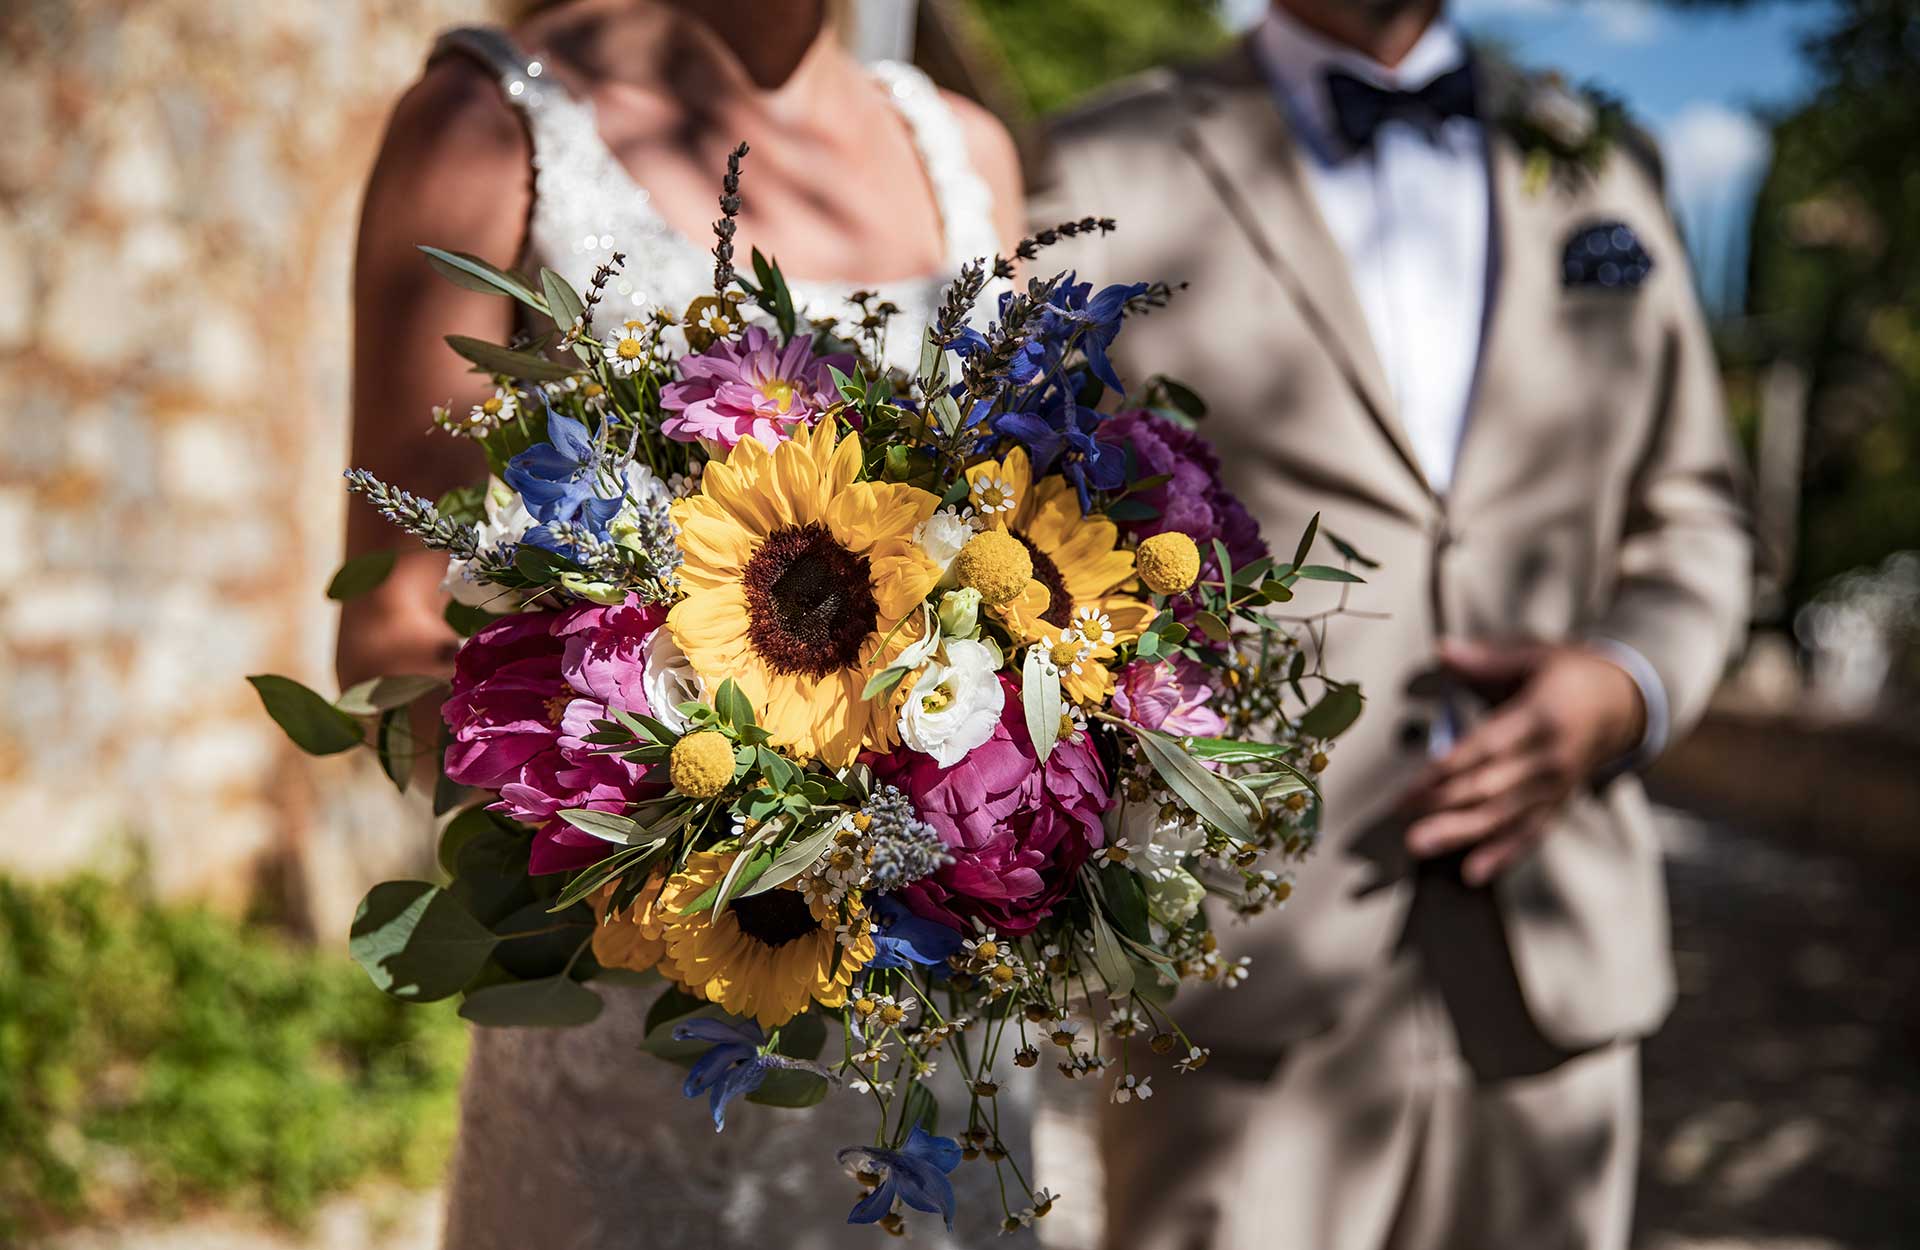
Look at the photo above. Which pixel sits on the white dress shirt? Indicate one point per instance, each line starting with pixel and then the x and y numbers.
pixel 1413 216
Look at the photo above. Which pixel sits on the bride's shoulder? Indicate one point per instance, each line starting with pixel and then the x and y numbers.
pixel 455 112
pixel 995 157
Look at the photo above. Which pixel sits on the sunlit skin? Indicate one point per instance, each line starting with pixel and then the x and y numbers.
pixel 675 83
pixel 1562 712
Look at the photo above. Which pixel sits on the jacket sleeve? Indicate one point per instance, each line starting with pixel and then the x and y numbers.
pixel 1684 582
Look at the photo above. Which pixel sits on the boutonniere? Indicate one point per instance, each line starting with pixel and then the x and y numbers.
pixel 1566 133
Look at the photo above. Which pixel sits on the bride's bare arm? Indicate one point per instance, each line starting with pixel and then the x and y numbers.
pixel 452 172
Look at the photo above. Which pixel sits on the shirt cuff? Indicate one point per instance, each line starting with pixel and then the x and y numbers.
pixel 1653 694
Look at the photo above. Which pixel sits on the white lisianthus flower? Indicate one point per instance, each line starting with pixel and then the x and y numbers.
pixel 941 536
pixel 955 704
pixel 506 522
pixel 668 679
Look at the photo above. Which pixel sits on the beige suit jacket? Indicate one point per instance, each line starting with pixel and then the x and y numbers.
pixel 1596 494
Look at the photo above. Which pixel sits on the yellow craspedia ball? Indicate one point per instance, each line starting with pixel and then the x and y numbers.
pixel 701 764
pixel 996 564
pixel 1169 563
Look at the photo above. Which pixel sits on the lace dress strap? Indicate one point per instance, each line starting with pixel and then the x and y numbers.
pixel 965 203
pixel 522 77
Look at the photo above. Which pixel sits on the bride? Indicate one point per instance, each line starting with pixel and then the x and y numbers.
pixel 598 126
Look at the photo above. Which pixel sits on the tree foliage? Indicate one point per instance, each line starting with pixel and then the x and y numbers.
pixel 1061 50
pixel 1835 285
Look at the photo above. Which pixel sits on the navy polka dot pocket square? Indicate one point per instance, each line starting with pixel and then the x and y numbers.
pixel 1607 255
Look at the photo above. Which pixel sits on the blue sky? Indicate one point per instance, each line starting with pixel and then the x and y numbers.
pixel 1696 79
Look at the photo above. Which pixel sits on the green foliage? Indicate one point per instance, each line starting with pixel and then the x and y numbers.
pixel 1064 49
pixel 191 1058
pixel 1835 286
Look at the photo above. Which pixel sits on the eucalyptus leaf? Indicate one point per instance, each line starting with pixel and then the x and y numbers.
pixel 465 619
pixel 1338 708
pixel 361 574
pixel 475 822
pixel 792 860
pixel 465 270
pixel 417 942
pixel 607 826
pixel 315 725
pixel 672 1004
pixel 1306 541
pixel 394 744
pixel 1040 698
pixel 381 694
pixel 563 304
pixel 1327 573
pixel 1346 549
pixel 494 358
pixel 1109 958
pixel 1212 626
pixel 556 1002
pixel 1199 789
pixel 790 1087
pixel 1126 900
pixel 1183 398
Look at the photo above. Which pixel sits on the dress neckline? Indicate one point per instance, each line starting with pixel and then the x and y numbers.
pixel 935 133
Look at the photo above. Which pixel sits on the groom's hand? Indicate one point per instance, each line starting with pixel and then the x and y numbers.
pixel 1562 713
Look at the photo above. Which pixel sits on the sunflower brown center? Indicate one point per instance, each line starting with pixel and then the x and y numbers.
pixel 1059 603
pixel 775 917
pixel 810 601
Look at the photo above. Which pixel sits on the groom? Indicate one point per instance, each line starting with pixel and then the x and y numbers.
pixel 1443 304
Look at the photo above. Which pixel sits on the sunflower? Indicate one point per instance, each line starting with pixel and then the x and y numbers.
pixel 630 938
pixel 801 583
pixel 767 955
pixel 1070 606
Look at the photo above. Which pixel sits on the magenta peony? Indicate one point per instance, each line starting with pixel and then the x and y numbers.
pixel 749 386
pixel 1017 832
pixel 526 690
pixel 1170 696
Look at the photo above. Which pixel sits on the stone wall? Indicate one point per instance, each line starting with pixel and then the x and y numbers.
pixel 178 190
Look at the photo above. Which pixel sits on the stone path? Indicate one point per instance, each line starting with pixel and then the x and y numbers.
pixel 1783 1098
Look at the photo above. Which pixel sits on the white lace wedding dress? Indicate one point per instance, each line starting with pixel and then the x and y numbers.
pixel 576 1139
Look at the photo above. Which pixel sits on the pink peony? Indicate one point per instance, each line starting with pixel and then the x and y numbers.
pixel 749 386
pixel 1170 696
pixel 525 693
pixel 1017 831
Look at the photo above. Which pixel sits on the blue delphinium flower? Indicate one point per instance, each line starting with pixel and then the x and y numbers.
pixel 733 1068
pixel 916 1174
pixel 559 479
pixel 902 939
pixel 1054 428
pixel 1098 318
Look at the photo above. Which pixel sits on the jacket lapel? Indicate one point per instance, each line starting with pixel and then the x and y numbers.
pixel 1241 141
pixel 1527 224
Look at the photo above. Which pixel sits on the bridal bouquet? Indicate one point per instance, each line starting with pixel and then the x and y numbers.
pixel 887 720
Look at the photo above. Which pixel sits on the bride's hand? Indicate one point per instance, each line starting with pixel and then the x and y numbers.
pixel 1564 713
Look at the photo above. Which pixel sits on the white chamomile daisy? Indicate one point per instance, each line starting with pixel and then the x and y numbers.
pixel 1069 651
pixel 993 494
pixel 1196 1057
pixel 627 347
pixel 1093 625
pixel 715 321
pixel 494 411
pixel 1130 1088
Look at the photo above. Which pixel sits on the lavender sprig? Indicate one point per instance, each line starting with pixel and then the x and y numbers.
pixel 416 516
pixel 723 229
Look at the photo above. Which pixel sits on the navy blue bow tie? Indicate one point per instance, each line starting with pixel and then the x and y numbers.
pixel 1360 107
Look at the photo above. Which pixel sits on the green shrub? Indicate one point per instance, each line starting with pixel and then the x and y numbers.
pixel 1064 49
pixel 152 1056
